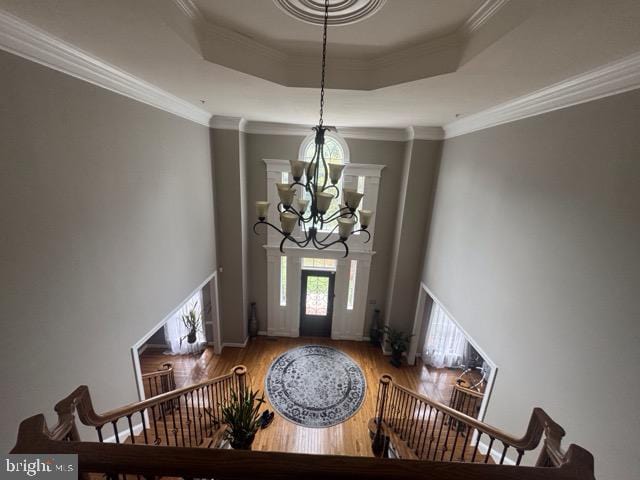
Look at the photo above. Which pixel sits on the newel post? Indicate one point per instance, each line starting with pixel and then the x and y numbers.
pixel 380 442
pixel 240 375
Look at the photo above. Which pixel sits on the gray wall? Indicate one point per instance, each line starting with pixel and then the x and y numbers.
pixel 535 250
pixel 228 147
pixel 107 225
pixel 286 147
pixel 422 158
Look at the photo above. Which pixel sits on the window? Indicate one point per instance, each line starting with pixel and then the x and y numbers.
pixel 445 344
pixel 319 264
pixel 335 151
pixel 283 281
pixel 351 295
pixel 285 177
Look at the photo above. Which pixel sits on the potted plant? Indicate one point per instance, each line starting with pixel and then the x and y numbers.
pixel 192 321
pixel 399 343
pixel 242 416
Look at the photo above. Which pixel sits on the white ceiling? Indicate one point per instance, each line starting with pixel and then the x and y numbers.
pixel 525 46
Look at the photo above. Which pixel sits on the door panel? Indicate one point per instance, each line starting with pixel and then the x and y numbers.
pixel 316 303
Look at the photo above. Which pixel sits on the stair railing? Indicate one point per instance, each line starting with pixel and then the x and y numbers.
pixel 132 460
pixel 159 382
pixel 416 426
pixel 181 417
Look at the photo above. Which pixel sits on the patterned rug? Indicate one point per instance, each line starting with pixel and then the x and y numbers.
pixel 315 386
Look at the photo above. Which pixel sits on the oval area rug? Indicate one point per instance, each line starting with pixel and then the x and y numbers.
pixel 315 386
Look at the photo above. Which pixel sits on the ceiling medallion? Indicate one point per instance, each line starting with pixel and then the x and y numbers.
pixel 341 12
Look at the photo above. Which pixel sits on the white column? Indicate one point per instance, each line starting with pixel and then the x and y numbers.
pixel 340 314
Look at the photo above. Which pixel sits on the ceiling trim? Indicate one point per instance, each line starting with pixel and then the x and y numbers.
pixel 363 133
pixel 432 57
pixel 482 15
pixel 610 79
pixel 227 123
pixel 25 40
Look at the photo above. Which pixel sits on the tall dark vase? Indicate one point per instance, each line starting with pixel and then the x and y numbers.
pixel 375 331
pixel 253 321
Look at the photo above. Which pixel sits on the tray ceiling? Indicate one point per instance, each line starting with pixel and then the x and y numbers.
pixel 521 47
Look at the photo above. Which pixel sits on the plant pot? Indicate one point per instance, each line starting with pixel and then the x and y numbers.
pixel 192 336
pixel 396 358
pixel 244 444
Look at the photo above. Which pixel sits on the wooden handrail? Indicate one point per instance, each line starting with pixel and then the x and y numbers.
pixel 80 401
pixel 468 391
pixel 33 437
pixel 167 369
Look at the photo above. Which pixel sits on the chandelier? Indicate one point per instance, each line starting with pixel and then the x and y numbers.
pixel 320 183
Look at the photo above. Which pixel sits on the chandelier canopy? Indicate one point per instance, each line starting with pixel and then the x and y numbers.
pixel 321 185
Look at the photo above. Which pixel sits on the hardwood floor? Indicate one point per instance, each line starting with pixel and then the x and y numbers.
pixel 350 437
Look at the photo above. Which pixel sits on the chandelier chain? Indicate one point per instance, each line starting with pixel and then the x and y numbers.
pixel 324 57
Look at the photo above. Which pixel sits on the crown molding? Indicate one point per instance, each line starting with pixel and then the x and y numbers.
pixel 221 122
pixel 425 133
pixel 27 41
pixel 610 79
pixel 363 133
pixel 481 16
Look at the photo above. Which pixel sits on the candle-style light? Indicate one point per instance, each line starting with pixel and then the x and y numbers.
pixel 321 187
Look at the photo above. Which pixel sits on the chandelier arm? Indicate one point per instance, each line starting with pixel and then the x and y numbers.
pixel 335 188
pixel 344 212
pixel 323 247
pixel 328 235
pixel 363 230
pixel 262 222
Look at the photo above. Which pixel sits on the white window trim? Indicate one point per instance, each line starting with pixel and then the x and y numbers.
pixel 311 138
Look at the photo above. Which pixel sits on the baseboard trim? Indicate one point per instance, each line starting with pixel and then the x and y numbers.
pixel 236 344
pixel 495 454
pixel 122 435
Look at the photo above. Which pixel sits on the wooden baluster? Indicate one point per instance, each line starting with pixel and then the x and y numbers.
pixel 446 441
pixel 175 429
pixel 164 423
pixel 186 409
pixel 504 452
pixel 467 435
pixel 405 416
pixel 180 417
pixel 488 454
pixel 455 442
pixel 144 427
pixel 156 440
pixel 433 429
pixel 99 431
pixel 411 422
pixel 416 421
pixel 403 410
pixel 379 444
pixel 520 454
pixel 115 430
pixel 132 435
pixel 425 433
pixel 195 420
pixel 443 420
pixel 392 406
pixel 475 449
